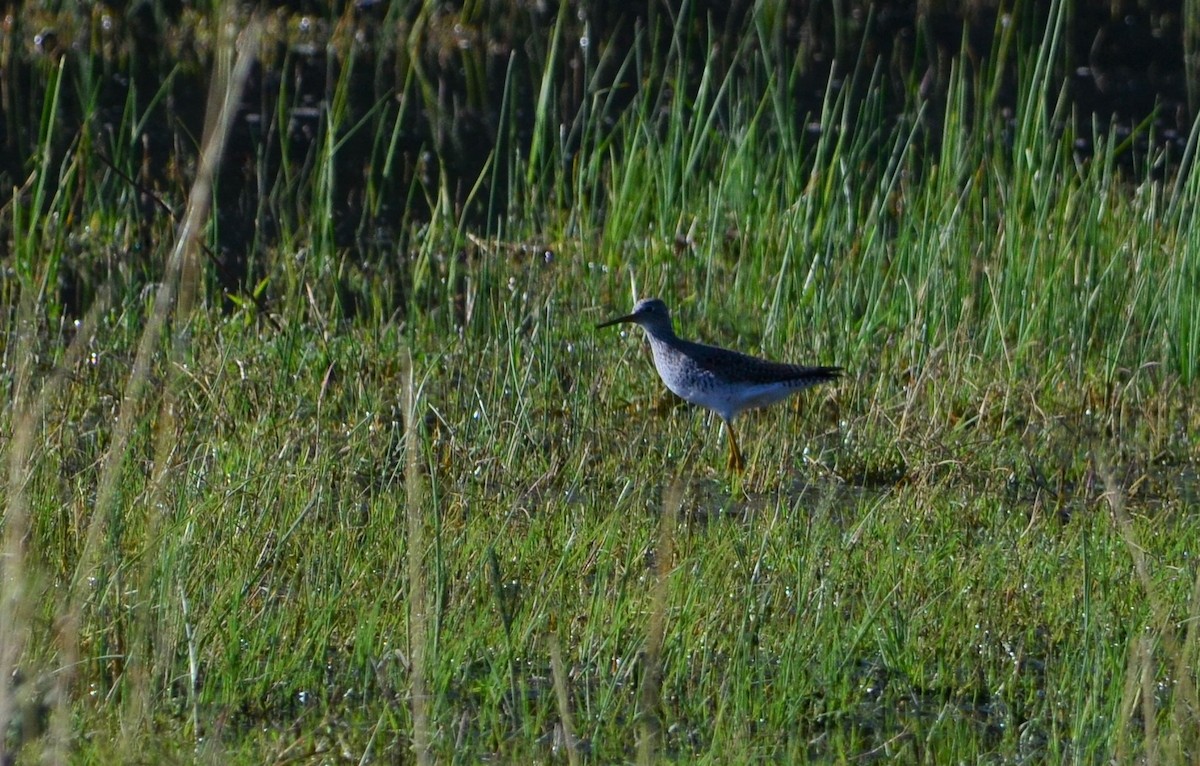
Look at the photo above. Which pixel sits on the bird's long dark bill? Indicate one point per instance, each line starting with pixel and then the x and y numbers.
pixel 618 320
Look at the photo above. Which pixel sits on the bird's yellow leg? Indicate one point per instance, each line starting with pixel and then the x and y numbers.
pixel 735 455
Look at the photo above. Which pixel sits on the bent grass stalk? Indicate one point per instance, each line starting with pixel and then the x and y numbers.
pixel 1179 741
pixel 650 714
pixel 418 598
pixel 16 571
pixel 223 100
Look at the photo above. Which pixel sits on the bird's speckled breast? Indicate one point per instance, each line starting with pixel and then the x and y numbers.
pixel 685 379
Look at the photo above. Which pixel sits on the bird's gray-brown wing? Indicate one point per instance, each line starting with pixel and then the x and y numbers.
pixel 726 365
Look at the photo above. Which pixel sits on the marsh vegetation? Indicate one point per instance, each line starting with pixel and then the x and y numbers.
pixel 314 455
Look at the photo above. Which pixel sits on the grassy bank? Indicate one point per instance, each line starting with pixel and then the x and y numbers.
pixel 978 547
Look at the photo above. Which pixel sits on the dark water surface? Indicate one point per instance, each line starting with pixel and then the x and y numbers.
pixel 416 95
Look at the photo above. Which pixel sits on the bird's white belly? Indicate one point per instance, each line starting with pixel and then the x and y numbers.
pixel 727 400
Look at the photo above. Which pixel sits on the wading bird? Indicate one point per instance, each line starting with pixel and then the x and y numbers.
pixel 726 382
